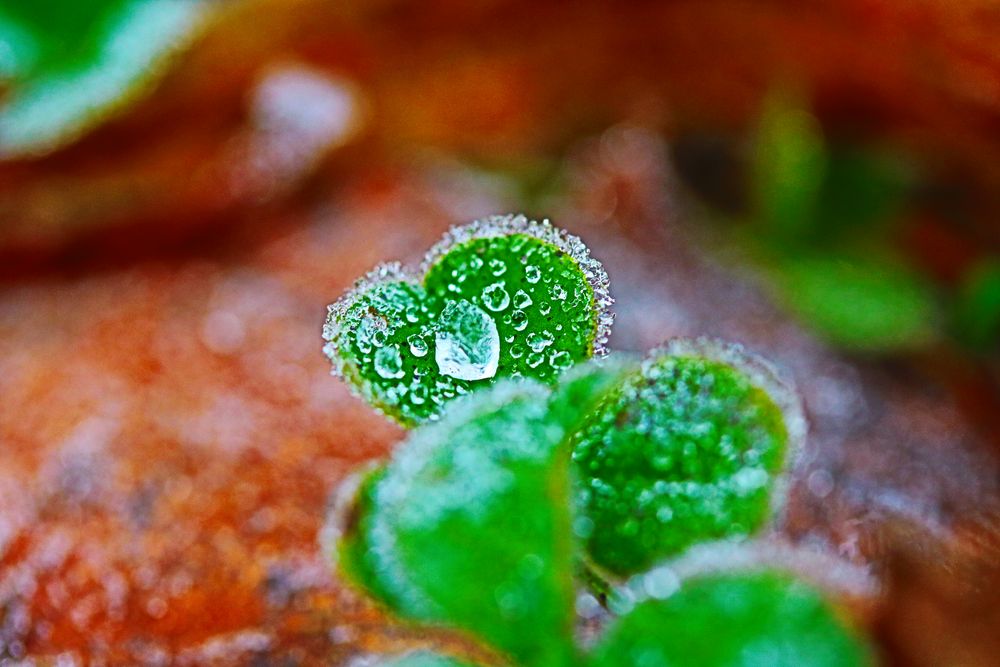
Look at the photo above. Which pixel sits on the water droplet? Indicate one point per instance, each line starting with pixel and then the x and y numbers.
pixel 518 320
pixel 559 292
pixel 535 359
pixel 418 394
pixel 560 360
pixel 418 346
pixel 467 345
pixel 532 274
pixel 497 266
pixel 495 297
pixel 539 340
pixel 521 299
pixel 517 351
pixel 544 308
pixel 388 362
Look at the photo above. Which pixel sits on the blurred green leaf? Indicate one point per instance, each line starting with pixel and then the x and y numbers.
pixel 470 525
pixel 858 301
pixel 71 62
pixel 788 171
pixel 977 311
pixel 861 194
pixel 733 620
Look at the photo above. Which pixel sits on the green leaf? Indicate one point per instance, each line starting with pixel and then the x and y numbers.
pixel 733 620
pixel 469 525
pixel 790 163
pixel 977 312
pixel 692 447
pixel 422 659
pixel 70 62
pixel 503 297
pixel 858 301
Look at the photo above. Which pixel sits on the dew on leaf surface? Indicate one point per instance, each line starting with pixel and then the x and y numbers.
pixel 466 343
pixel 691 448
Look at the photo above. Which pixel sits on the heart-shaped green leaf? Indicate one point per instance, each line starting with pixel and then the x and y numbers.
pixel 733 620
pixel 469 524
pixel 690 448
pixel 69 62
pixel 501 297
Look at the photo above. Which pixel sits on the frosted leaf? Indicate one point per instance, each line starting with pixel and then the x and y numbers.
pixel 392 308
pixel 467 345
pixel 692 448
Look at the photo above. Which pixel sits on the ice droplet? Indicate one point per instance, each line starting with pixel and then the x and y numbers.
pixel 388 362
pixel 521 299
pixel 418 346
pixel 495 297
pixel 467 345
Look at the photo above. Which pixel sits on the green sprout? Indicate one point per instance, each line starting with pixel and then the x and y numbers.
pixel 471 526
pixel 498 504
pixel 502 297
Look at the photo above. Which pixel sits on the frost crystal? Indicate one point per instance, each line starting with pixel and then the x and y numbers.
pixel 467 345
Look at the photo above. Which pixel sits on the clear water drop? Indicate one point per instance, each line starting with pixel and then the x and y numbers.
pixel 497 266
pixel 518 320
pixel 539 340
pixel 560 360
pixel 521 299
pixel 535 359
pixel 495 297
pixel 558 292
pixel 418 346
pixel 467 345
pixel 388 362
pixel 532 274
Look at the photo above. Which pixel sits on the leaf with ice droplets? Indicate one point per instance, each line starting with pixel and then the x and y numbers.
pixel 728 620
pixel 501 297
pixel 691 448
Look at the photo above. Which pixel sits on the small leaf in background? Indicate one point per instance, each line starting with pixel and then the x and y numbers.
pixel 689 449
pixel 470 525
pixel 977 315
pixel 859 302
pixel 789 166
pixel 422 659
pixel 733 620
pixel 502 297
pixel 69 63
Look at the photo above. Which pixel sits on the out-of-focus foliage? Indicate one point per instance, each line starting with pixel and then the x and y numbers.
pixel 724 620
pixel 503 297
pixel 978 306
pixel 822 228
pixel 68 63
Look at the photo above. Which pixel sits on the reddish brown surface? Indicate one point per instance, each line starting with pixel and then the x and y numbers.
pixel 170 434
